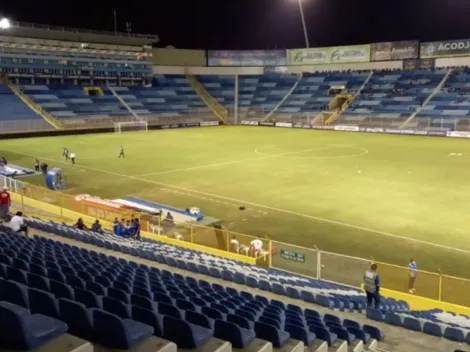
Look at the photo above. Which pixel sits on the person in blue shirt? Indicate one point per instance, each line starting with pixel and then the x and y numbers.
pixel 412 271
pixel 372 286
pixel 115 225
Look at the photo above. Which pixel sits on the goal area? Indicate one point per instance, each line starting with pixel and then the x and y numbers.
pixel 130 126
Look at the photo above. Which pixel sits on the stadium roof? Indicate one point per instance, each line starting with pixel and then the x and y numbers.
pixel 41 31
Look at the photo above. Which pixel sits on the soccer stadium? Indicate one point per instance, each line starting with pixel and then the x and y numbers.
pixel 255 200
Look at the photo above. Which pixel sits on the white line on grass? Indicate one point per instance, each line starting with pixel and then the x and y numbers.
pixel 263 156
pixel 262 206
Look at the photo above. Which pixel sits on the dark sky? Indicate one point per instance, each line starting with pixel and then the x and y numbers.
pixel 257 24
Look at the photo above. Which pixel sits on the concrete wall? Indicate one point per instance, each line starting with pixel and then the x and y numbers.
pixel 179 57
pixel 453 61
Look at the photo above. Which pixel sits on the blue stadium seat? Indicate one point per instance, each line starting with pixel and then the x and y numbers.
pixel 78 318
pixel 88 298
pixel 323 334
pixel 360 334
pixel 434 329
pixel 301 334
pixel 269 333
pixel 169 310
pixel 394 319
pixel 16 293
pixel 412 324
pixel 343 334
pixel 38 282
pixel 42 302
pixel 237 336
pixel 374 314
pixel 184 334
pixel 454 334
pixel 112 331
pixel 149 318
pixel 116 307
pixel 23 331
pixel 17 275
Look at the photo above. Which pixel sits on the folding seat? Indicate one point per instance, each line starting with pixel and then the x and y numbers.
pixel 148 317
pixel 307 296
pixel 393 319
pixel 239 278
pixel 169 310
pixel 300 333
pixel 122 285
pixel 270 321
pixel 157 297
pixel 24 331
pixel 220 308
pixel 144 292
pixel 237 336
pixel 324 301
pixel 42 302
pixel 20 264
pixel 86 276
pixel 38 282
pixel 144 302
pixel 185 305
pixel 294 308
pixel 5 259
pixel 77 317
pixel 199 319
pixel 96 288
pixel 3 270
pixel 212 313
pixel 55 275
pixel 278 304
pixel 375 314
pixel 74 281
pixel 347 323
pixel 240 321
pixel 332 318
pixel 52 265
pixel 343 334
pixel 119 295
pixel 292 292
pixel 16 293
pixel 247 295
pixel 61 290
pixel 227 275
pixel 67 270
pixel 323 334
pixel 37 267
pixel 17 275
pixel 176 295
pixel 262 299
pixel 454 334
pixel 412 324
pixel 269 333
pixel 112 331
pixel 374 332
pixel 360 334
pixel 88 298
pixel 278 289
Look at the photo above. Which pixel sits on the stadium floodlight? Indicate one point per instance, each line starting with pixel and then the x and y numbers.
pixel 304 25
pixel 5 23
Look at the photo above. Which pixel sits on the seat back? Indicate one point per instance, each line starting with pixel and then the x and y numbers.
pixel 239 320
pixel 179 332
pixel 198 319
pixel 13 328
pixel 77 317
pixel 42 302
pixel 147 317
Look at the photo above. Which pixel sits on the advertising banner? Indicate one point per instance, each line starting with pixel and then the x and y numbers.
pixel 251 123
pixel 331 55
pixel 446 48
pixel 347 128
pixel 419 64
pixel 247 58
pixel 283 124
pixel 388 51
pixel 301 125
pixel 208 123
pixel 270 124
pixel 458 134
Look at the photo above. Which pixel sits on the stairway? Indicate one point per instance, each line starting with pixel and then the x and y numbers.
pixel 118 97
pixel 283 99
pixel 428 99
pixel 337 105
pixel 212 103
pixel 31 104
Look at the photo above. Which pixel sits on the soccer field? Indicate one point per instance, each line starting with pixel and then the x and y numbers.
pixel 389 197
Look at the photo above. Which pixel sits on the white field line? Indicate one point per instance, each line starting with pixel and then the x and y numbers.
pixel 306 216
pixel 263 156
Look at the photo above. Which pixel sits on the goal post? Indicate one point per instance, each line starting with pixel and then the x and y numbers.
pixel 130 126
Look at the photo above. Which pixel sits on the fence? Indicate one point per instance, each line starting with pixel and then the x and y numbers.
pixel 349 271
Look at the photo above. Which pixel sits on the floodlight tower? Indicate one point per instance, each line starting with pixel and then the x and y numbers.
pixel 303 23
pixel 5 23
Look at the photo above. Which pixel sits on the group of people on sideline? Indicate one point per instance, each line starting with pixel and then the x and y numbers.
pixel 127 229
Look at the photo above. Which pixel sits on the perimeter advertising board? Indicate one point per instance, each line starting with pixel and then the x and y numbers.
pixel 388 51
pixel 247 58
pixel 446 48
pixel 330 55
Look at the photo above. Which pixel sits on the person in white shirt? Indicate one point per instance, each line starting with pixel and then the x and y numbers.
pixel 72 157
pixel 234 245
pixel 17 223
pixel 256 246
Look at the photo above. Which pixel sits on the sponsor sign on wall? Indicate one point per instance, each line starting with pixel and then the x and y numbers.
pixel 250 123
pixel 283 124
pixel 458 134
pixel 347 128
pixel 394 50
pixel 331 55
pixel 208 123
pixel 247 58
pixel 445 48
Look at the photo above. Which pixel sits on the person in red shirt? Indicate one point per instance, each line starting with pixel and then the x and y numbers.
pixel 5 203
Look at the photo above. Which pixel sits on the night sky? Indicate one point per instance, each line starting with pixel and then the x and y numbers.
pixel 257 24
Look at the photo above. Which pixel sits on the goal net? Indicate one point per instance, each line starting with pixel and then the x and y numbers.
pixel 130 126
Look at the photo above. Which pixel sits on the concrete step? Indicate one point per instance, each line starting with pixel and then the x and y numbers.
pixel 338 346
pixel 256 346
pixel 152 344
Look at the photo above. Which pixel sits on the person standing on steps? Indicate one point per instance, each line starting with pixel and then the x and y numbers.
pixel 412 271
pixel 372 286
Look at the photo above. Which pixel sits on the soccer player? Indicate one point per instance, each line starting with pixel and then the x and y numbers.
pixel 121 153
pixel 65 153
pixel 72 157
pixel 36 165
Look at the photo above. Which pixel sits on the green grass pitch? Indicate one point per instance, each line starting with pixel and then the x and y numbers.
pixel 389 197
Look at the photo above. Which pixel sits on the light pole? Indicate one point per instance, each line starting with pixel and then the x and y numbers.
pixel 5 23
pixel 303 24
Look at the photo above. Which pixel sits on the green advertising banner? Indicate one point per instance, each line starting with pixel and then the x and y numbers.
pixel 331 55
pixel 294 256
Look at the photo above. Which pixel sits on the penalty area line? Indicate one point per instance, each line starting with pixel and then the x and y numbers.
pixel 286 211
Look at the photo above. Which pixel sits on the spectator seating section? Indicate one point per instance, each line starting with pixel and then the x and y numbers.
pixel 295 286
pixel 221 87
pixel 452 101
pixel 13 108
pixel 392 94
pixel 69 101
pixel 137 301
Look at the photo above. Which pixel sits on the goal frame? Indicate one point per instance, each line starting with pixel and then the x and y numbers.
pixel 118 126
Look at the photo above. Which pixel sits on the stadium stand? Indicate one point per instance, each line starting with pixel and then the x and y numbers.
pixel 12 107
pixel 220 87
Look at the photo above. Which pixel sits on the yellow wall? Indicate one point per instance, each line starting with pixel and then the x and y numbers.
pixel 179 57
pixel 72 215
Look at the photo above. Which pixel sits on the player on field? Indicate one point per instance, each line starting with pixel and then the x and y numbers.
pixel 65 153
pixel 72 157
pixel 121 153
